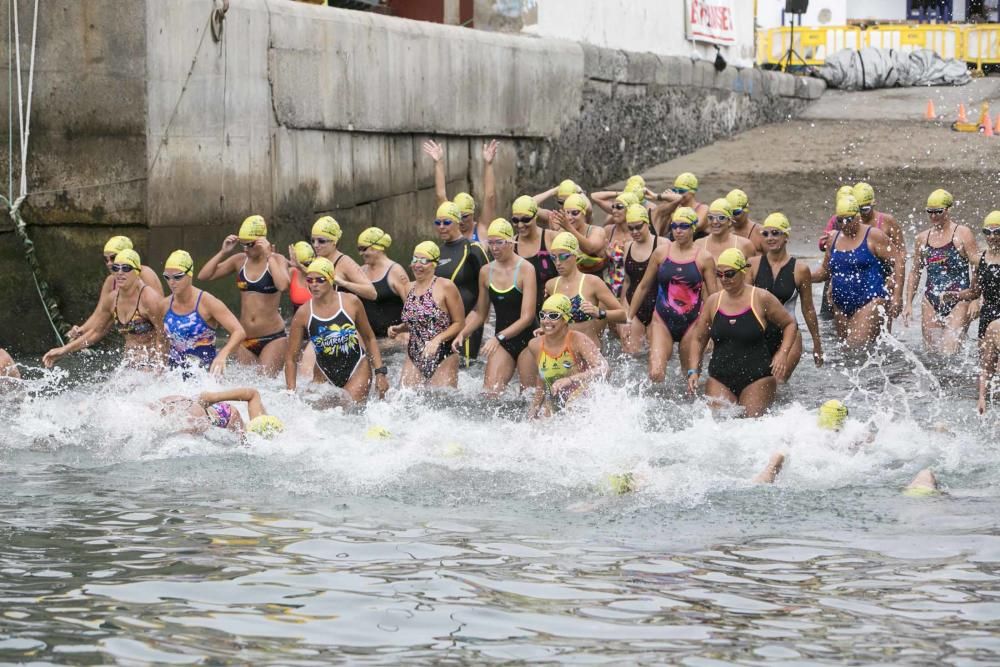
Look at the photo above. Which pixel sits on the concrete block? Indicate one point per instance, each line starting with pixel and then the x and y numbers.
pixel 762 83
pixel 685 71
pixel 704 73
pixel 316 161
pixel 605 88
pixel 745 81
pixel 641 67
pixel 370 167
pixel 402 170
pixel 604 64
pixel 814 88
pixel 726 79
pixel 786 84
pixel 627 90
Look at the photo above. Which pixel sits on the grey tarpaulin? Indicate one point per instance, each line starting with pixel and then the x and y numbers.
pixel 863 69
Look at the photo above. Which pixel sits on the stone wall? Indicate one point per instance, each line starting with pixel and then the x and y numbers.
pixel 160 132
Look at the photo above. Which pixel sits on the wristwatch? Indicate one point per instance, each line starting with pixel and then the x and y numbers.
pixel 382 370
pixel 602 315
pixel 501 337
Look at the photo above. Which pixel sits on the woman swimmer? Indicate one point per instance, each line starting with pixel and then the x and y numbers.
pixel 133 308
pixel 191 335
pixel 638 256
pixel 260 296
pixel 533 242
pixel 946 250
pixel 616 231
pixel 214 409
pixel 389 278
pixel 514 305
pixel 337 326
pixel 985 278
pixel 471 228
pixel 560 193
pixel 989 353
pixel 567 360
pixel 681 195
pixel 742 369
pixel 433 315
pixel 575 218
pixel 326 235
pixel 591 299
pixel 720 232
pixel 743 226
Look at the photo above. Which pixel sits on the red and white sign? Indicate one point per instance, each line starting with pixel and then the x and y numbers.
pixel 710 21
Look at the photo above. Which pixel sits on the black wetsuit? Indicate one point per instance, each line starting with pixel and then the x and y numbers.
pixel 460 262
pixel 741 356
pixel 507 306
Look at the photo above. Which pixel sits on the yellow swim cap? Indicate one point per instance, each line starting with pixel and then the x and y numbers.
pixel 628 198
pixel 327 228
pixel 992 220
pixel 181 261
pixel 266 426
pixel 685 214
pixel 621 483
pixel 920 491
pixel 687 180
pixel 304 252
pixel 832 415
pixel 721 206
pixel 378 433
pixel 374 237
pixel 637 192
pixel 847 206
pixel 845 190
pixel 448 211
pixel 635 182
pixel 323 267
pixel 738 199
pixel 778 221
pixel 864 193
pixel 559 303
pixel 465 203
pixel 502 229
pixel 130 257
pixel 576 202
pixel 253 228
pixel 733 257
pixel 428 249
pixel 940 199
pixel 636 213
pixel 116 244
pixel 524 205
pixel 567 188
pixel 567 242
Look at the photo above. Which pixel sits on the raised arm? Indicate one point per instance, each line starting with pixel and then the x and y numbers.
pixel 436 153
pixel 604 199
pixel 219 266
pixel 490 186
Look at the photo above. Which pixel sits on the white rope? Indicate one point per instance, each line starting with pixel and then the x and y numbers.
pixel 23 113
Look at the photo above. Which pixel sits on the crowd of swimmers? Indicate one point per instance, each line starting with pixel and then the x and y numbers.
pixel 664 269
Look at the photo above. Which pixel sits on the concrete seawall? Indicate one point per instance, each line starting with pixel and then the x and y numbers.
pixel 144 124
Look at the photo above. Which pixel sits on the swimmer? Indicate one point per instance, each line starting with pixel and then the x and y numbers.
pixel 560 193
pixel 826 306
pixel 215 409
pixel 325 236
pixel 532 242
pixel 788 280
pixel 743 369
pixel 592 302
pixel 989 352
pixel 471 229
pixel 389 278
pixel 720 232
pixel 343 342
pixel 638 254
pixel 680 196
pixel 616 231
pixel 946 250
pixel 567 361
pixel 114 245
pixel 261 277
pixel 8 369
pixel 433 315
pixel 190 334
pixel 743 226
pixel 508 284
pixel 300 255
pixel 575 218
pixel 680 276
pixel 459 261
pixel 985 278
pixel 860 291
pixel 133 308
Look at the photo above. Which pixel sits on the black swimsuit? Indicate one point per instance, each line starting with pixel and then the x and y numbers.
pixel 387 308
pixel 507 306
pixel 781 286
pixel 741 356
pixel 545 267
pixel 635 271
pixel 989 282
pixel 337 344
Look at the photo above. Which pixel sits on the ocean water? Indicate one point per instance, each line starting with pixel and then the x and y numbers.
pixel 473 536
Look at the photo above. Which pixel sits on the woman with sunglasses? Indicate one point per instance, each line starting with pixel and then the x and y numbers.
pixel 532 242
pixel 215 409
pixel 567 360
pixel 616 231
pixel 680 196
pixel 720 232
pixel 986 277
pixel 389 278
pixel 508 284
pixel 780 274
pixel 460 261
pixel 433 315
pixel 576 218
pixel 743 226
pixel 300 255
pixel 133 309
pixel 742 370
pixel 946 250
pixel 471 228
pixel 680 275
pixel 860 292
pixel 560 193
pixel 643 244
pixel 592 302
pixel 192 317
pixel 326 233
pixel 336 325
pixel 260 296
pixel 114 246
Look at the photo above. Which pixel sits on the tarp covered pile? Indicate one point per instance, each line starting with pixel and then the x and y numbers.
pixel 869 68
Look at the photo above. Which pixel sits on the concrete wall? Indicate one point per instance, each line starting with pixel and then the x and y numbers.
pixel 304 110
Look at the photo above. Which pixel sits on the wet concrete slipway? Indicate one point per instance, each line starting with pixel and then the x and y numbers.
pixel 473 536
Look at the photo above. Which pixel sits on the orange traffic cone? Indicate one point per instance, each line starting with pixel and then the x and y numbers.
pixel 961 114
pixel 930 113
pixel 988 126
pixel 996 123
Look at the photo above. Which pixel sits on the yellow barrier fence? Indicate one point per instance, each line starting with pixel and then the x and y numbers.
pixel 982 45
pixel 945 40
pixel 813 45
